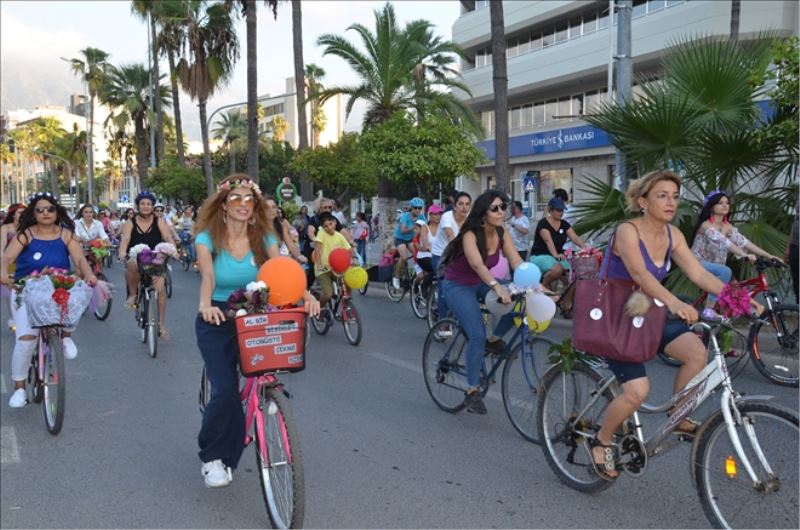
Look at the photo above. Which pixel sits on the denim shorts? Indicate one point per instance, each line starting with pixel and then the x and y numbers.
pixel 545 262
pixel 398 242
pixel 625 372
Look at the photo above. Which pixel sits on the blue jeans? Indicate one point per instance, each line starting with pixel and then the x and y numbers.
pixel 222 432
pixel 185 241
pixel 722 272
pixel 464 299
pixel 442 303
pixel 361 248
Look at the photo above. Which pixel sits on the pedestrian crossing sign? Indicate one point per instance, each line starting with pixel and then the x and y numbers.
pixel 530 184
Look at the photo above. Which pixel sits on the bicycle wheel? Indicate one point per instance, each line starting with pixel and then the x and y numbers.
pixel 561 432
pixel 395 295
pixel 102 311
pixel 185 262
pixel 419 299
pixel 168 283
pixel 322 323
pixel 33 386
pixel 363 290
pixel 351 322
pixel 54 381
pixel 280 465
pixel 773 346
pixel 444 365
pixel 151 325
pixel 520 386
pixel 204 395
pixel 729 497
pixel 141 316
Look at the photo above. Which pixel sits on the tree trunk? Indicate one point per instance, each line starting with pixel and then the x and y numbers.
pixel 232 157
pixel 206 149
pixel 306 187
pixel 736 7
pixel 252 88
pixel 90 150
pixel 156 95
pixel 177 108
pixel 48 165
pixel 502 169
pixel 141 152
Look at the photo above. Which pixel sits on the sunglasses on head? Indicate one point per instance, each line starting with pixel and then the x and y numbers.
pixel 236 199
pixel 497 207
pixel 46 209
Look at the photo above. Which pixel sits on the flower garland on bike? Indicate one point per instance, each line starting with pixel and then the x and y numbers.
pixel 144 229
pixel 234 238
pixel 45 238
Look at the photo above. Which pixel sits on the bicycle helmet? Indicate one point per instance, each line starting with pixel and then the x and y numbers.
pixel 416 202
pixel 145 195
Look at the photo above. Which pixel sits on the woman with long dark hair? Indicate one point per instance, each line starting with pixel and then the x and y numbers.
pixel 281 229
pixel 45 238
pixel 467 280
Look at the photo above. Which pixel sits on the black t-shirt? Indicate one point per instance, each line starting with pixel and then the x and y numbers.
pixel 559 237
pixel 315 223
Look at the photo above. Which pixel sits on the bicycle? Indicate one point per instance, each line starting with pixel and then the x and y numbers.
pixel 772 341
pixel 340 307
pixel 420 295
pixel 406 282
pixel 445 372
pixel 269 423
pixel 187 241
pixel 147 317
pixel 102 310
pixel 570 409
pixel 46 381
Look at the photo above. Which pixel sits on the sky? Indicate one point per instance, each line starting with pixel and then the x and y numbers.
pixel 35 34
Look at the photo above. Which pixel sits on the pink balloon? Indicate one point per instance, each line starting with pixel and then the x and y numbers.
pixel 500 271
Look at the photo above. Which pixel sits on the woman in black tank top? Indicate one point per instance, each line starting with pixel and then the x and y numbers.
pixel 151 237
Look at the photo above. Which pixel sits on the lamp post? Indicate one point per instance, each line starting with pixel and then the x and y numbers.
pixel 239 104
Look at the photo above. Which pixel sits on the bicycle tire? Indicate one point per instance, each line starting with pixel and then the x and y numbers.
pixel 168 283
pixel 419 302
pixel 281 469
pixel 444 366
pixel 520 394
pixel 433 306
pixel 34 387
pixel 54 384
pixel 554 432
pixel 395 295
pixel 777 357
pixel 730 500
pixel 321 325
pixel 101 312
pixel 185 263
pixel 204 394
pixel 152 325
pixel 141 315
pixel 351 322
pixel 363 290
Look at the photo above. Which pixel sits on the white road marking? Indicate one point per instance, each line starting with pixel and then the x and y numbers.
pixel 9 450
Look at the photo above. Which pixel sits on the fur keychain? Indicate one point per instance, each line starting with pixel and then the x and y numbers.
pixel 638 304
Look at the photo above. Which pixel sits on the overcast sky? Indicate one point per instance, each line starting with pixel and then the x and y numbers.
pixel 35 34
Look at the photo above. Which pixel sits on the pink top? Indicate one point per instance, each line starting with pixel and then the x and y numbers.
pixel 460 271
pixel 712 245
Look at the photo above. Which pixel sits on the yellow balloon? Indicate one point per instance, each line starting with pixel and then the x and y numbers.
pixel 533 325
pixel 356 277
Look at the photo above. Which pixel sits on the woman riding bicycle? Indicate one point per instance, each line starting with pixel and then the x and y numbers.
pixel 45 239
pixel 550 235
pixel 185 225
pixel 643 251
pixel 7 232
pixel 714 236
pixel 467 279
pixel 231 246
pixel 87 228
pixel 145 228
pixel 424 240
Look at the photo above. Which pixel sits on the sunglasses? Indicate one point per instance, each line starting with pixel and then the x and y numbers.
pixel 234 199
pixel 497 207
pixel 159 210
pixel 46 209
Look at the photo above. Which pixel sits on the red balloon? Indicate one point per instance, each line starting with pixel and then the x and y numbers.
pixel 339 260
pixel 285 279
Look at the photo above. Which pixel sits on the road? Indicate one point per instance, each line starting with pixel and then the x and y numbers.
pixel 377 451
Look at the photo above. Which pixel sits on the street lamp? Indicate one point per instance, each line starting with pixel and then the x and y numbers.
pixel 239 104
pixel 51 155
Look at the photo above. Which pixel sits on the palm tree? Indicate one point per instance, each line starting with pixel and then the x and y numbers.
pixel 213 49
pixel 92 69
pixel 148 11
pixel 231 127
pixel 169 43
pixel 278 126
pixel 72 148
pixel 313 76
pixel 306 187
pixel 46 132
pixel 502 169
pixel 736 8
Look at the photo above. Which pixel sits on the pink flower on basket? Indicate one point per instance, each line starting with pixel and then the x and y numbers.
pixel 167 249
pixel 734 300
pixel 134 251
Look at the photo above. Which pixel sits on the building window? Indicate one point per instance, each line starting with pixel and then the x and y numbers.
pixel 575 27
pixel 527 116
pixel 655 5
pixel 538 113
pixel 639 8
pixel 561 31
pixel 524 44
pixel 589 22
pixel 547 37
pixel 515 118
pixel 550 110
pixel 577 104
pixel 536 40
pixel 487 120
pixel 511 48
pixel 602 20
pixel 565 108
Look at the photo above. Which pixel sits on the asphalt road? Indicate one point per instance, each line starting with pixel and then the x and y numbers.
pixel 377 451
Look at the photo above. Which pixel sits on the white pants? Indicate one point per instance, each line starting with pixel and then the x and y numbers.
pixel 23 349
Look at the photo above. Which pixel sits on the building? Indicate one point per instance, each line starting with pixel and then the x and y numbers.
pixel 558 55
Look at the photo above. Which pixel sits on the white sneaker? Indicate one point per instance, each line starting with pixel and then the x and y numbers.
pixel 444 333
pixel 216 474
pixel 396 283
pixel 11 325
pixel 70 350
pixel 18 399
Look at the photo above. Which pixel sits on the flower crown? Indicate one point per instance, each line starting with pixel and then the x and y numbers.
pixel 240 183
pixel 41 195
pixel 713 194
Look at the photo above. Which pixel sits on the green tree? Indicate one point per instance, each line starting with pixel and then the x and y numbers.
pixel 169 43
pixel 275 160
pixel 231 128
pixel 46 132
pixel 319 120
pixel 72 147
pixel 278 125
pixel 172 179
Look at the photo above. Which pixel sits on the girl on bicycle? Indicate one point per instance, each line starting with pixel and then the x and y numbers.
pixel 87 228
pixel 643 251
pixel 714 236
pixel 549 237
pixel 7 232
pixel 231 246
pixel 185 224
pixel 467 280
pixel 45 239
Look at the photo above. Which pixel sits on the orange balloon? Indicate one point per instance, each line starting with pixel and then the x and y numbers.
pixel 285 279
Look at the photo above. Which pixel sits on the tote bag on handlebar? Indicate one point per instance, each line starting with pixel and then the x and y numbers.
pixel 601 327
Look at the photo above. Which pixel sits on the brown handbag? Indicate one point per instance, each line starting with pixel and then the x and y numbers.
pixel 601 327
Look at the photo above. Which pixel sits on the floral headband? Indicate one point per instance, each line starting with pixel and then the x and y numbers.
pixel 713 194
pixel 240 183
pixel 42 195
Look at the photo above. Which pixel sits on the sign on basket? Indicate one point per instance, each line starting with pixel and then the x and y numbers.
pixel 272 341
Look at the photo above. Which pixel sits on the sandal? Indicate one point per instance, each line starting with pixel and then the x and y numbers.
pixel 130 302
pixel 688 426
pixel 163 333
pixel 604 468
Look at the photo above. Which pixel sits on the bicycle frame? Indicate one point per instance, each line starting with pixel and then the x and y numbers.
pixel 43 335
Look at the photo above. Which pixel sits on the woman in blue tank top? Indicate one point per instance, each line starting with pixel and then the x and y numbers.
pixel 44 239
pixel 643 251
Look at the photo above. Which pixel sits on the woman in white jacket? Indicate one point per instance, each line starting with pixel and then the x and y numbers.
pixel 87 227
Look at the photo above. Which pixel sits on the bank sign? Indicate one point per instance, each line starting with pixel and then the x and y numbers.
pixel 555 141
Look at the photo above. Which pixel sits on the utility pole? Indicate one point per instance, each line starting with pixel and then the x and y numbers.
pixel 624 75
pixel 150 73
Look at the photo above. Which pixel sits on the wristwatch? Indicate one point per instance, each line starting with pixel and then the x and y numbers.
pixel 493 283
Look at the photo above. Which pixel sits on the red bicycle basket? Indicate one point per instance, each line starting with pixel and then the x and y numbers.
pixel 272 341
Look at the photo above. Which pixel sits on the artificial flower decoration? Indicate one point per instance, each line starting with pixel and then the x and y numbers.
pixel 734 300
pixel 253 299
pixel 240 183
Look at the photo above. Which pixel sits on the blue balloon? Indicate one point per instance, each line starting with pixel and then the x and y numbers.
pixel 527 275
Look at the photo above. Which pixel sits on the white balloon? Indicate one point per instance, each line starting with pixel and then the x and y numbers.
pixel 495 306
pixel 541 307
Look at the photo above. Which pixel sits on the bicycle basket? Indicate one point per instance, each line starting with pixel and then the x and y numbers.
pixel 584 268
pixel 271 341
pixel 43 311
pixel 155 266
